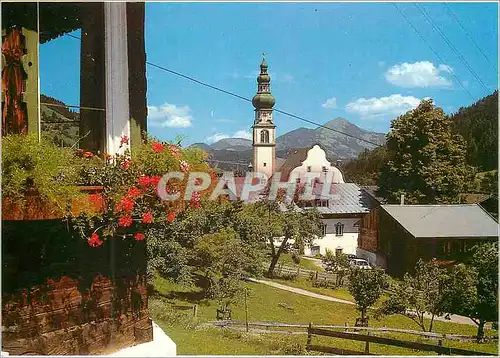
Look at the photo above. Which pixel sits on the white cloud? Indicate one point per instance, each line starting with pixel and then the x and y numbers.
pixel 242 134
pixel 394 105
pixel 215 138
pixel 238 134
pixel 418 74
pixel 170 115
pixel 330 103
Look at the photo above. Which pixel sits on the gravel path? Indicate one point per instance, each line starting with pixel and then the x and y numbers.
pixel 453 318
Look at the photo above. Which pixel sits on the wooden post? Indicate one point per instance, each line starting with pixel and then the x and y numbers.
pixel 298 271
pixel 195 310
pixel 309 336
pixel 345 325
pixel 367 344
pixel 246 309
pixel 316 279
pixel 440 343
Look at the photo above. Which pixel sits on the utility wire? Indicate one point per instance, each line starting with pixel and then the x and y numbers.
pixel 432 49
pixel 470 37
pixel 247 99
pixel 71 106
pixel 445 38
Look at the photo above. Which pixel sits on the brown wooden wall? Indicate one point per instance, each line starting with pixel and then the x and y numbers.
pixel 368 231
pixel 62 297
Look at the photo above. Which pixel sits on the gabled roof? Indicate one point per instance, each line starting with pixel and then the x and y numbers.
pixel 294 158
pixel 444 221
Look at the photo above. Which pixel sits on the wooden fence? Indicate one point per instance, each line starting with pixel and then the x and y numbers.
pixel 273 327
pixel 367 338
pixel 282 270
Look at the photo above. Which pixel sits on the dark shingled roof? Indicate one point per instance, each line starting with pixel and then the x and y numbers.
pixel 294 158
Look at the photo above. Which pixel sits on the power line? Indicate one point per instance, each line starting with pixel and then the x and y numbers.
pixel 468 35
pixel 445 38
pixel 248 100
pixel 434 51
pixel 72 106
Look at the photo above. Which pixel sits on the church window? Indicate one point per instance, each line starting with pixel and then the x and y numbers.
pixel 339 229
pixel 324 169
pixel 309 168
pixel 264 136
pixel 264 164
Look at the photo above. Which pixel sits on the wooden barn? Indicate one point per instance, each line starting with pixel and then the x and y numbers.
pixel 396 236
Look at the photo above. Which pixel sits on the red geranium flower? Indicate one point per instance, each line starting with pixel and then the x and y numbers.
pixel 126 163
pixel 174 150
pixel 133 192
pixel 107 156
pixel 147 218
pixel 158 147
pixel 88 155
pixel 125 221
pixel 144 180
pixel 139 236
pixel 170 217
pixel 124 140
pixel 154 180
pixel 184 166
pixel 95 241
pixel 195 200
pixel 127 204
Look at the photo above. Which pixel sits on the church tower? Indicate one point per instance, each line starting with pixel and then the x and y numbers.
pixel 264 144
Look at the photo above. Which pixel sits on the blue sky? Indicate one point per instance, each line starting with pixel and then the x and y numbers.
pixel 360 61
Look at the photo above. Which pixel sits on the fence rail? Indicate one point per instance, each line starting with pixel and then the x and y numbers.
pixel 367 338
pixel 346 328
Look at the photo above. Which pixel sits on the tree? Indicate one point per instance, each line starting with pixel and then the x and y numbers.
pixel 472 289
pixel 222 259
pixel 365 169
pixel 300 225
pixel 426 161
pixel 337 264
pixel 418 294
pixel 366 287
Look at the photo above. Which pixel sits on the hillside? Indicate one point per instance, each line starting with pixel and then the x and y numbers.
pixel 58 123
pixel 478 124
pixel 336 145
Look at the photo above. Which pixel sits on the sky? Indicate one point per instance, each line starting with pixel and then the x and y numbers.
pixel 360 61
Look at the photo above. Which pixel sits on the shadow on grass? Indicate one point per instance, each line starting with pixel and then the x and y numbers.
pixel 194 294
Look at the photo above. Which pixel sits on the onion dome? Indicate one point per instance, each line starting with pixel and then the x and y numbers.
pixel 263 99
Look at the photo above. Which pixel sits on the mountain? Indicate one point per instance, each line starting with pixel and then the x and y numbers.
pixel 238 144
pixel 60 124
pixel 336 145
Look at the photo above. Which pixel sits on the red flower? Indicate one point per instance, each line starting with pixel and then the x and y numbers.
pixel 124 140
pixel 125 221
pixel 118 207
pixel 107 156
pixel 88 155
pixel 95 241
pixel 139 236
pixel 127 204
pixel 154 180
pixel 170 217
pixel 174 150
pixel 195 200
pixel 158 147
pixel 184 166
pixel 147 218
pixel 126 163
pixel 133 192
pixel 144 180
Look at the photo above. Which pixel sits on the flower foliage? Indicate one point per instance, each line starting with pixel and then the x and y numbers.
pixel 129 203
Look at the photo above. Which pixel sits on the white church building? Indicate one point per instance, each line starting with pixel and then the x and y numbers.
pixel 342 211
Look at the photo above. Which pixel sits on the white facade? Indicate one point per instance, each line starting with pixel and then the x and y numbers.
pixel 316 162
pixel 345 238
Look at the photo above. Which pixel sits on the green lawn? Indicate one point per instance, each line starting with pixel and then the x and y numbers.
pixel 264 305
pixel 306 284
pixel 304 263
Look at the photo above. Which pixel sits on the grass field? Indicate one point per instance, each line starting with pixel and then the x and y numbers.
pixel 304 263
pixel 264 305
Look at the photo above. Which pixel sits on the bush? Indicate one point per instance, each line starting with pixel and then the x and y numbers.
pixel 317 256
pixel 296 258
